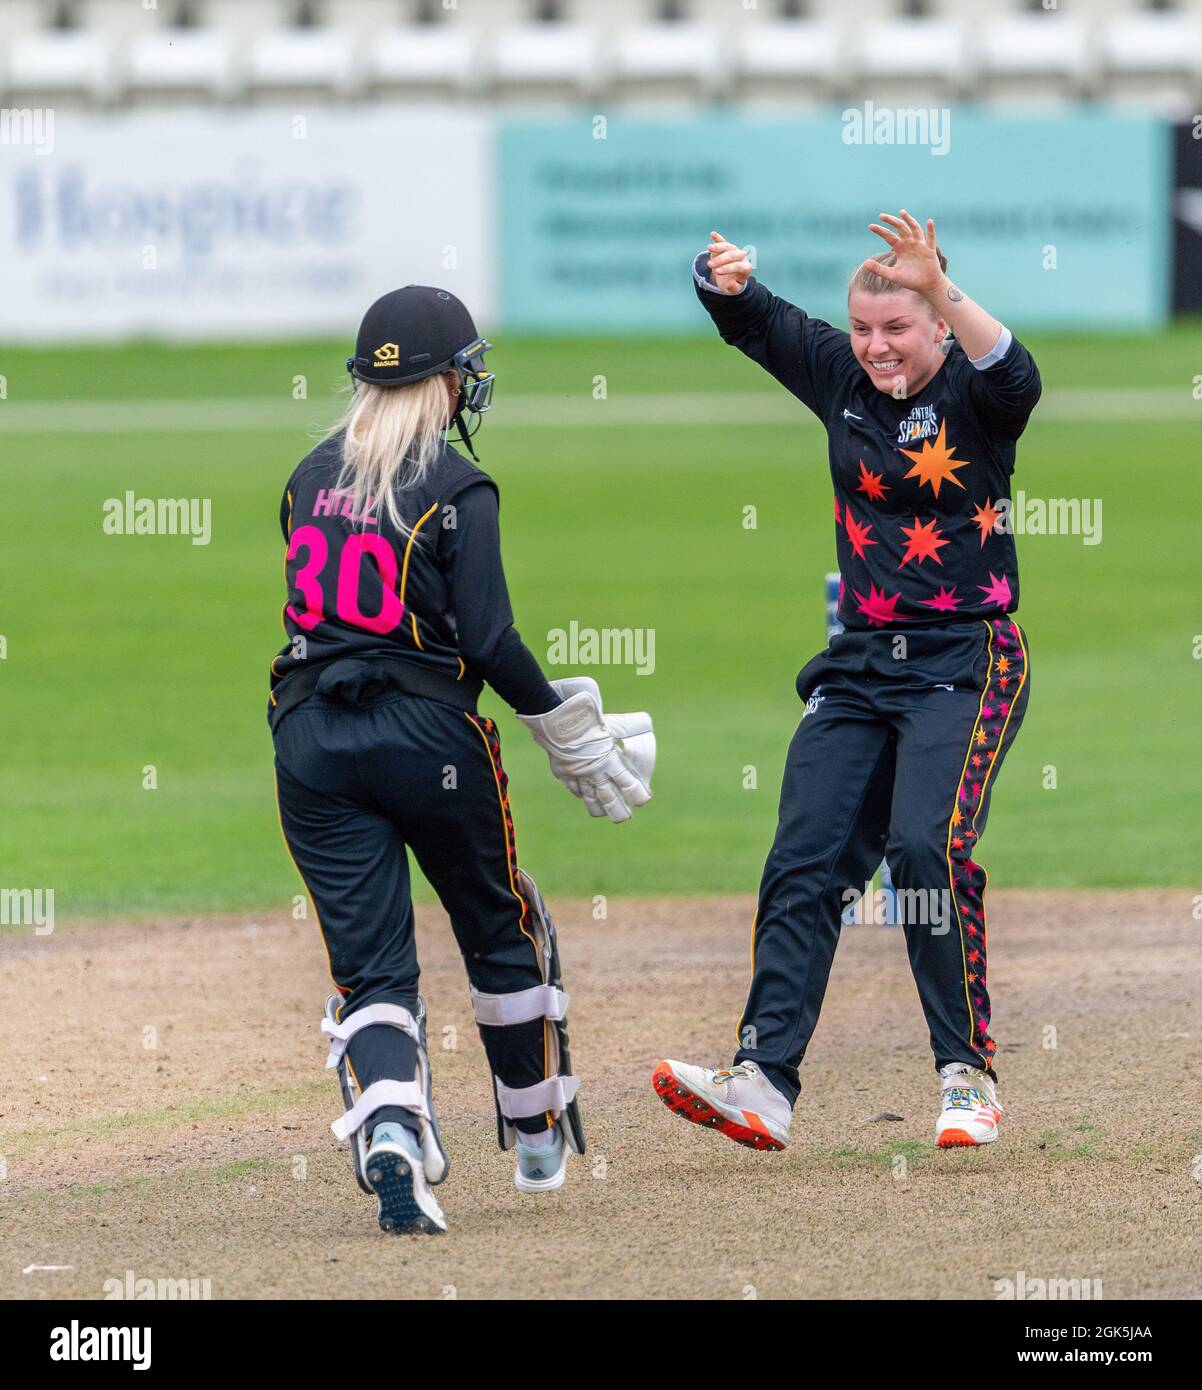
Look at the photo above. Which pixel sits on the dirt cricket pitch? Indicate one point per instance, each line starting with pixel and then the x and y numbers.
pixel 166 1113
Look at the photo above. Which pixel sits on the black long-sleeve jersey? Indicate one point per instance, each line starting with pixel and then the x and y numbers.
pixel 435 598
pixel 919 534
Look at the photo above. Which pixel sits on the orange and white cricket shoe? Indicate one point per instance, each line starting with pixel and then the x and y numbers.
pixel 969 1112
pixel 738 1101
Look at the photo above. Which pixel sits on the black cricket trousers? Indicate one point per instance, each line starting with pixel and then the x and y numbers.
pixel 360 784
pixel 897 754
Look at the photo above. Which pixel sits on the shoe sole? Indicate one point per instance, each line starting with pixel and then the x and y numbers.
pixel 961 1139
pixel 694 1108
pixel 540 1184
pixel 391 1179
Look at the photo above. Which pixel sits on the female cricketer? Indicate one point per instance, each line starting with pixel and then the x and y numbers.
pixel 911 710
pixel 397 613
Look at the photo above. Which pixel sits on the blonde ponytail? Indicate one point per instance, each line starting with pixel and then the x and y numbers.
pixel 391 437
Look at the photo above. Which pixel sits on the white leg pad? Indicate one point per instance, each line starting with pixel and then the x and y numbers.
pixel 340 1034
pixel 522 1006
pixel 556 1093
pixel 408 1095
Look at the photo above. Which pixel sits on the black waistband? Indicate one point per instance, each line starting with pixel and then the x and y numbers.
pixel 355 682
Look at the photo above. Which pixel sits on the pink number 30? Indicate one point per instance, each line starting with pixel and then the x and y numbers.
pixel 357 544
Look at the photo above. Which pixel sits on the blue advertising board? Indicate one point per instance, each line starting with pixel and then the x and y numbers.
pixel 1049 221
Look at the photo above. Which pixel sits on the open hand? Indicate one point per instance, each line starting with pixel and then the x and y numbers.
pixel 917 262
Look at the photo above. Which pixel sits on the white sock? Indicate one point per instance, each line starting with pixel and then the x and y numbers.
pixel 541 1140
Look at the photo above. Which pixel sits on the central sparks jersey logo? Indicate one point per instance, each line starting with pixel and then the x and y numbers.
pixel 919 424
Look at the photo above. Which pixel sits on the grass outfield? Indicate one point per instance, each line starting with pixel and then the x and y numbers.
pixel 124 652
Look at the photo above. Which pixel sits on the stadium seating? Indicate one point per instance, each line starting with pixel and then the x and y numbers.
pixel 1030 57
pixel 180 64
pixel 1154 57
pixel 19 17
pixel 423 61
pixel 893 57
pixel 70 67
pixel 284 62
pixel 548 60
pixel 797 61
pixel 669 60
pixel 110 52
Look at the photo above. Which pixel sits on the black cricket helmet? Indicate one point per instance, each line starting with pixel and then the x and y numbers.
pixel 419 331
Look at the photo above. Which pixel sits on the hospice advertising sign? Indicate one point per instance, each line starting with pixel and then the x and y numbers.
pixel 240 224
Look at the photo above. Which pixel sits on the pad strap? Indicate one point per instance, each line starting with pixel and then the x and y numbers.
pixel 523 1005
pixel 341 1033
pixel 555 1093
pixel 408 1095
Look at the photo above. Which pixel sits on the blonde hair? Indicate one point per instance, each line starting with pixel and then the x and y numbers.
pixel 391 437
pixel 872 283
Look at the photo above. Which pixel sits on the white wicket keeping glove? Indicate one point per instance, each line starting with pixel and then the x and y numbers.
pixel 609 776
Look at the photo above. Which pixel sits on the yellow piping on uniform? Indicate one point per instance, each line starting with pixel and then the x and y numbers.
pixel 1022 680
pixel 284 605
pixel 505 833
pixel 405 571
pixel 951 887
pixel 512 885
pixel 409 546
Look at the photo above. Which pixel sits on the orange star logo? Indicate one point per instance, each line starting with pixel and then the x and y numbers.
pixel 871 484
pixel 985 518
pixel 923 542
pixel 857 532
pixel 933 464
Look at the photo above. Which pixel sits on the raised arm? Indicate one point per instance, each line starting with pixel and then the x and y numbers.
pixel 1005 386
pixel 801 352
pixel 917 268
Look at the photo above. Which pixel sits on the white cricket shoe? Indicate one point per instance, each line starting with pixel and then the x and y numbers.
pixel 737 1101
pixel 969 1112
pixel 395 1173
pixel 541 1167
